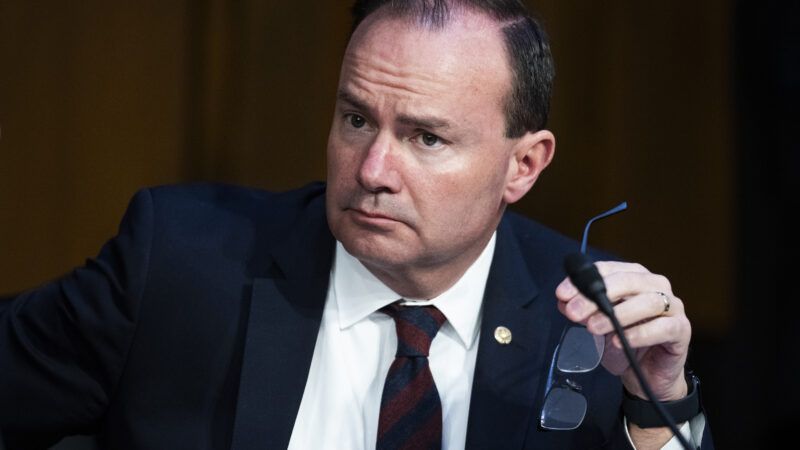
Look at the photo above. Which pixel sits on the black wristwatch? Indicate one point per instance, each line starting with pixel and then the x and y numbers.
pixel 643 413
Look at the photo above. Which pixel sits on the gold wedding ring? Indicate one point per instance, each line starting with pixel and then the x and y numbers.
pixel 664 297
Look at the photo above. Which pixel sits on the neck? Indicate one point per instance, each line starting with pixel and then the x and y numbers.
pixel 429 281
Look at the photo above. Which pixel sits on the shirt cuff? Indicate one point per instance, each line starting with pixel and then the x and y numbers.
pixel 691 430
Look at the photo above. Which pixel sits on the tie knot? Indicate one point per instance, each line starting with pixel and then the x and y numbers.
pixel 416 327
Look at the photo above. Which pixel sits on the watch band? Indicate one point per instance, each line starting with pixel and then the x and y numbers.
pixel 643 413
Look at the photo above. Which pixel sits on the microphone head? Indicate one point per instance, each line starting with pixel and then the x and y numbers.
pixel 584 275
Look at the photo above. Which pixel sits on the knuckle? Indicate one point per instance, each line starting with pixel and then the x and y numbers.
pixel 576 311
pixel 679 328
pixel 636 335
pixel 686 325
pixel 663 281
pixel 675 327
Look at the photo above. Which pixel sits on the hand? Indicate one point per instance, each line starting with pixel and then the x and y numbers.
pixel 660 338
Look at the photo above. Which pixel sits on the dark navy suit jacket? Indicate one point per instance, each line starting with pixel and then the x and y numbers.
pixel 195 326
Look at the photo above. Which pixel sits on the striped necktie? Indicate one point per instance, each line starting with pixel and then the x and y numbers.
pixel 411 411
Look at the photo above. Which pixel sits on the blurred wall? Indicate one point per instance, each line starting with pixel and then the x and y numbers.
pixel 98 99
pixel 92 105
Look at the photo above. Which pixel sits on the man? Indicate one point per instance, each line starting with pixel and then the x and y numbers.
pixel 226 318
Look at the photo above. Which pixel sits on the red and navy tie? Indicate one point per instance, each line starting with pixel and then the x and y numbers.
pixel 411 411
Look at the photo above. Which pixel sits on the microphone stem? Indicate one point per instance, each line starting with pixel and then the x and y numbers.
pixel 668 420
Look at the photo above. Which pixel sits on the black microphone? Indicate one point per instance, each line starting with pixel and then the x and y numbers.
pixel 585 276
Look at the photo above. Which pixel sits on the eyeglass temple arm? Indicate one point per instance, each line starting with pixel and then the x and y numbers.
pixel 621 207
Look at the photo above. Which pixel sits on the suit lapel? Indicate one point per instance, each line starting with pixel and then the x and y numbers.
pixel 285 314
pixel 507 381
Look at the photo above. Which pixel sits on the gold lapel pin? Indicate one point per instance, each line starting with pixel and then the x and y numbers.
pixel 502 335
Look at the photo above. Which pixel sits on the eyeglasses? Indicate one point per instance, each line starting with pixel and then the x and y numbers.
pixel 578 351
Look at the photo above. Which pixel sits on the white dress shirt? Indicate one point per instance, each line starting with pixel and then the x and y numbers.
pixel 356 345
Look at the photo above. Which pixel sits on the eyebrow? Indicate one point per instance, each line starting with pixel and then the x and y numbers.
pixel 425 121
pixel 347 97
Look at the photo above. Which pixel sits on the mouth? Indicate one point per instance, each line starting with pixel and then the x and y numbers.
pixel 372 218
pixel 372 215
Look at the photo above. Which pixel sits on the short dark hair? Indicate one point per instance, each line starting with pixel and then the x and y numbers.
pixel 528 102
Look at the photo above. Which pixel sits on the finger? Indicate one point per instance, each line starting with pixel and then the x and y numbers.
pixel 673 333
pixel 622 285
pixel 609 267
pixel 566 290
pixel 614 358
pixel 572 303
pixel 578 310
pixel 621 279
pixel 636 309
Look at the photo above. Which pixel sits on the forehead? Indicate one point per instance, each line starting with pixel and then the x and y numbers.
pixel 465 60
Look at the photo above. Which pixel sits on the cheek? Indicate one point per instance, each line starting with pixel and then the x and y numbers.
pixel 340 163
pixel 479 180
pixel 468 197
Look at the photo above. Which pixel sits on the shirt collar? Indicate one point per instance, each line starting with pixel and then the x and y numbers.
pixel 359 293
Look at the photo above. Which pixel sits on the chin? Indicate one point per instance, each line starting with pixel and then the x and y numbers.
pixel 376 250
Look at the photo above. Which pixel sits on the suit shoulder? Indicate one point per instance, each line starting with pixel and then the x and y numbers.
pixel 533 236
pixel 209 201
pixel 228 194
pixel 532 233
pixel 217 214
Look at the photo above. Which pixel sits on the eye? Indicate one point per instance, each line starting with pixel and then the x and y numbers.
pixel 356 121
pixel 429 140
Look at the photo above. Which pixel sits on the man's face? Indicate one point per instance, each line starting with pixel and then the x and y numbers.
pixel 418 160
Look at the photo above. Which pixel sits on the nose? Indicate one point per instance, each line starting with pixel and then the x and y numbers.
pixel 379 168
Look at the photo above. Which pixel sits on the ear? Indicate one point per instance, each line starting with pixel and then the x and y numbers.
pixel 530 156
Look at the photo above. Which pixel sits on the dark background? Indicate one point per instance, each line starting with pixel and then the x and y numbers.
pixel 687 110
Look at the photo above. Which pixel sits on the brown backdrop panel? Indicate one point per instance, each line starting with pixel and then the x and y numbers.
pixel 99 98
pixel 91 107
pixel 264 91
